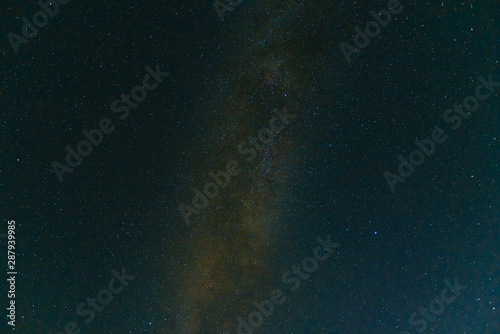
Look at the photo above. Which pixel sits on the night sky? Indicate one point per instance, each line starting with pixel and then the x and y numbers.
pixel 268 158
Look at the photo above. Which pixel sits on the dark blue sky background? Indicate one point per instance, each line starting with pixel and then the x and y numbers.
pixel 323 175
